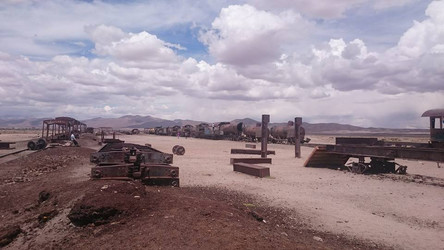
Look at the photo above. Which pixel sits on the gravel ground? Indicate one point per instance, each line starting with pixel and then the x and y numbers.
pixel 47 201
pixel 346 210
pixel 403 212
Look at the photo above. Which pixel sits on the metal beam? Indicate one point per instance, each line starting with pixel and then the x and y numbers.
pixel 251 151
pixel 251 160
pixel 425 154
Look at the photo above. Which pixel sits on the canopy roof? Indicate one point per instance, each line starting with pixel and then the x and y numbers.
pixel 434 113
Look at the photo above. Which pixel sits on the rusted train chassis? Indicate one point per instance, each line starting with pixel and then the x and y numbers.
pixel 381 154
pixel 149 174
pixel 126 161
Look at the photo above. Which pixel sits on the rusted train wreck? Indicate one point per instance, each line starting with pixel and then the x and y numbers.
pixel 232 131
pixel 56 130
pixel 381 154
pixel 61 128
pixel 127 161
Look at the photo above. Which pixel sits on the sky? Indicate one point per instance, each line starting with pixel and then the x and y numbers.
pixel 370 63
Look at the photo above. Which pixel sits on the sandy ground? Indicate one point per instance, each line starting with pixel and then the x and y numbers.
pixel 20 138
pixel 405 215
pixel 48 201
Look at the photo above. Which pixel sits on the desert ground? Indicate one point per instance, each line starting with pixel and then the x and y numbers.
pixel 301 208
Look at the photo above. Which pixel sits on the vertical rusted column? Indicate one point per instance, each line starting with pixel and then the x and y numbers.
pixel 47 131
pixel 53 131
pixel 264 140
pixel 43 129
pixel 297 137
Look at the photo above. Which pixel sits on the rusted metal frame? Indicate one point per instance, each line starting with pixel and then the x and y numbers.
pixel 426 154
pixel 61 126
pixel 53 130
pixel 114 153
pixel 126 160
pixel 43 129
pixel 358 141
pixel 372 141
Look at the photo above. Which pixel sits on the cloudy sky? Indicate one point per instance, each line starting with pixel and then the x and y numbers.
pixel 363 62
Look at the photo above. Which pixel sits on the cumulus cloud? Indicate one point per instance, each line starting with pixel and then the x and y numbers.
pixel 48 28
pixel 255 67
pixel 132 48
pixel 409 66
pixel 243 35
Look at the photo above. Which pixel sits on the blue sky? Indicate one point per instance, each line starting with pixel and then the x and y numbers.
pixel 349 61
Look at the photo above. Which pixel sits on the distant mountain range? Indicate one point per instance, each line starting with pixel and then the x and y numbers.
pixel 137 121
pixel 22 123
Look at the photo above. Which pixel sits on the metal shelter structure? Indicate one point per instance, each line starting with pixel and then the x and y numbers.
pixel 436 125
pixel 60 128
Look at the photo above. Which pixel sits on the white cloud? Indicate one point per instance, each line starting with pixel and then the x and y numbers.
pixel 49 28
pixel 411 66
pixel 423 36
pixel 243 35
pixel 107 109
pixel 256 70
pixel 132 49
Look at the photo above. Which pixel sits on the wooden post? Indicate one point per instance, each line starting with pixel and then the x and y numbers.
pixel 297 137
pixel 264 140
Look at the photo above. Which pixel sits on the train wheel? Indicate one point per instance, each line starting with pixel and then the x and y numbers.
pixel 359 168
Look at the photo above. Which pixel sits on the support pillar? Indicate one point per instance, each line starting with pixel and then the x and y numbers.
pixel 297 137
pixel 264 140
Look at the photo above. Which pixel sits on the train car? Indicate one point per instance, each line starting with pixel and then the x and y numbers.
pixel 436 117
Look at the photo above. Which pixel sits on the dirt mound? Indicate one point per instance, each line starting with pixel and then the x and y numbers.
pixel 89 141
pixel 187 218
pixel 45 161
pixel 8 234
pixel 100 205
pixel 82 215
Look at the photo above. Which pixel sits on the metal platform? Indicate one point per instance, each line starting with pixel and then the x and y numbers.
pixel 320 157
